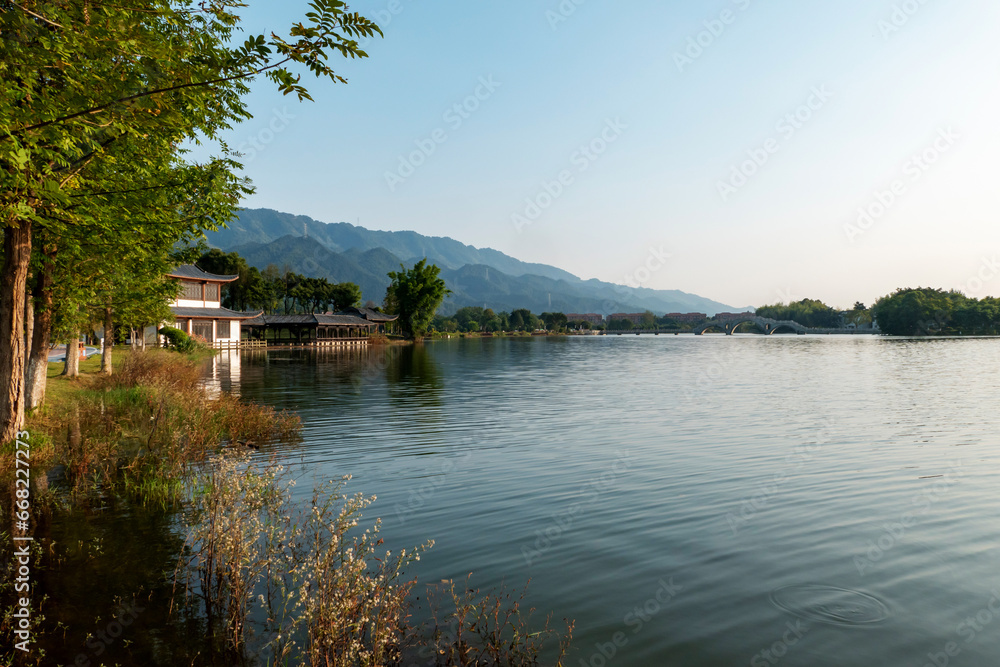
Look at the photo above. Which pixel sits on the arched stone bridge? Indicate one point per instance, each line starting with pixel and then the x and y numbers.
pixel 767 324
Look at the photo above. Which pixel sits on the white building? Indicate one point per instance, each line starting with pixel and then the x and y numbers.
pixel 198 308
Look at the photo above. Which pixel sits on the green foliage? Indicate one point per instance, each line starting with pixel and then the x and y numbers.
pixel 807 312
pixel 927 312
pixel 474 319
pixel 138 432
pixel 415 295
pixel 523 319
pixel 177 340
pixel 859 315
pixel 620 325
pixel 272 291
pixel 343 295
pixel 554 321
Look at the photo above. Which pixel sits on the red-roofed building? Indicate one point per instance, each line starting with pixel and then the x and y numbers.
pixel 590 318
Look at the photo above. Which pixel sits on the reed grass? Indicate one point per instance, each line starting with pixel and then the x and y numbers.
pixel 137 431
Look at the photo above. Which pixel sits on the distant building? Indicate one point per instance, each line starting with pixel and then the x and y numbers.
pixel 733 316
pixel 687 318
pixel 591 318
pixel 634 318
pixel 198 308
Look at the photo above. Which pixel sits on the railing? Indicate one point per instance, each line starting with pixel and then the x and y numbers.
pixel 238 344
pixel 336 342
pixel 288 342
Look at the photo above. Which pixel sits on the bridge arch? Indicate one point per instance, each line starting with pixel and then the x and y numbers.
pixel 768 325
pixel 734 325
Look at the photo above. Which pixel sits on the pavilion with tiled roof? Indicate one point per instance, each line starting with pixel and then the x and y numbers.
pixel 312 328
pixel 198 309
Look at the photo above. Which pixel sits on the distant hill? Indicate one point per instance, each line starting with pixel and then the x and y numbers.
pixel 264 225
pixel 343 252
pixel 309 258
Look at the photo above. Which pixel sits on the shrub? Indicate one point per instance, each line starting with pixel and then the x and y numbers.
pixel 177 339
pixel 326 593
pixel 319 579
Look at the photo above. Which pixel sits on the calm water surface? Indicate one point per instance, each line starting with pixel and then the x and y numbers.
pixel 688 501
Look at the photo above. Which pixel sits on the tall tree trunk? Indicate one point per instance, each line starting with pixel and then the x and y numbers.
pixel 38 359
pixel 29 328
pixel 72 366
pixel 109 342
pixel 13 280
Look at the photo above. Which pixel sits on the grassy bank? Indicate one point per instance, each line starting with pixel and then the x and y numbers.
pixel 137 430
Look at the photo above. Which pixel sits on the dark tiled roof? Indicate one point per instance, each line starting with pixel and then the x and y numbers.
pixel 344 319
pixel 192 272
pixel 307 320
pixel 372 315
pixel 215 313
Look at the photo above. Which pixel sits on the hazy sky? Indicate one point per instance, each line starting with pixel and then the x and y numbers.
pixel 740 137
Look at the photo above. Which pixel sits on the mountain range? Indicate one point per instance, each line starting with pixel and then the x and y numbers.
pixel 342 252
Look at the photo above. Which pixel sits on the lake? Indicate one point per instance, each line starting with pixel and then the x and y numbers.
pixel 714 500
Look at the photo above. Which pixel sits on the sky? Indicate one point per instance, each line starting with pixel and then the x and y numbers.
pixel 748 151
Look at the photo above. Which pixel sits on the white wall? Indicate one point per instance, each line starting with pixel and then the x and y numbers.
pixel 192 303
pixel 234 331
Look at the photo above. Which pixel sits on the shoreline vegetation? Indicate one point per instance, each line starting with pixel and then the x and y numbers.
pixel 267 580
pixel 417 293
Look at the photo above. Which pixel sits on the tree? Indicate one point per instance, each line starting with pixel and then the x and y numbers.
pixel 554 321
pixel 96 104
pixel 925 311
pixel 807 312
pixel 245 292
pixel 415 295
pixel 344 296
pixel 516 321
